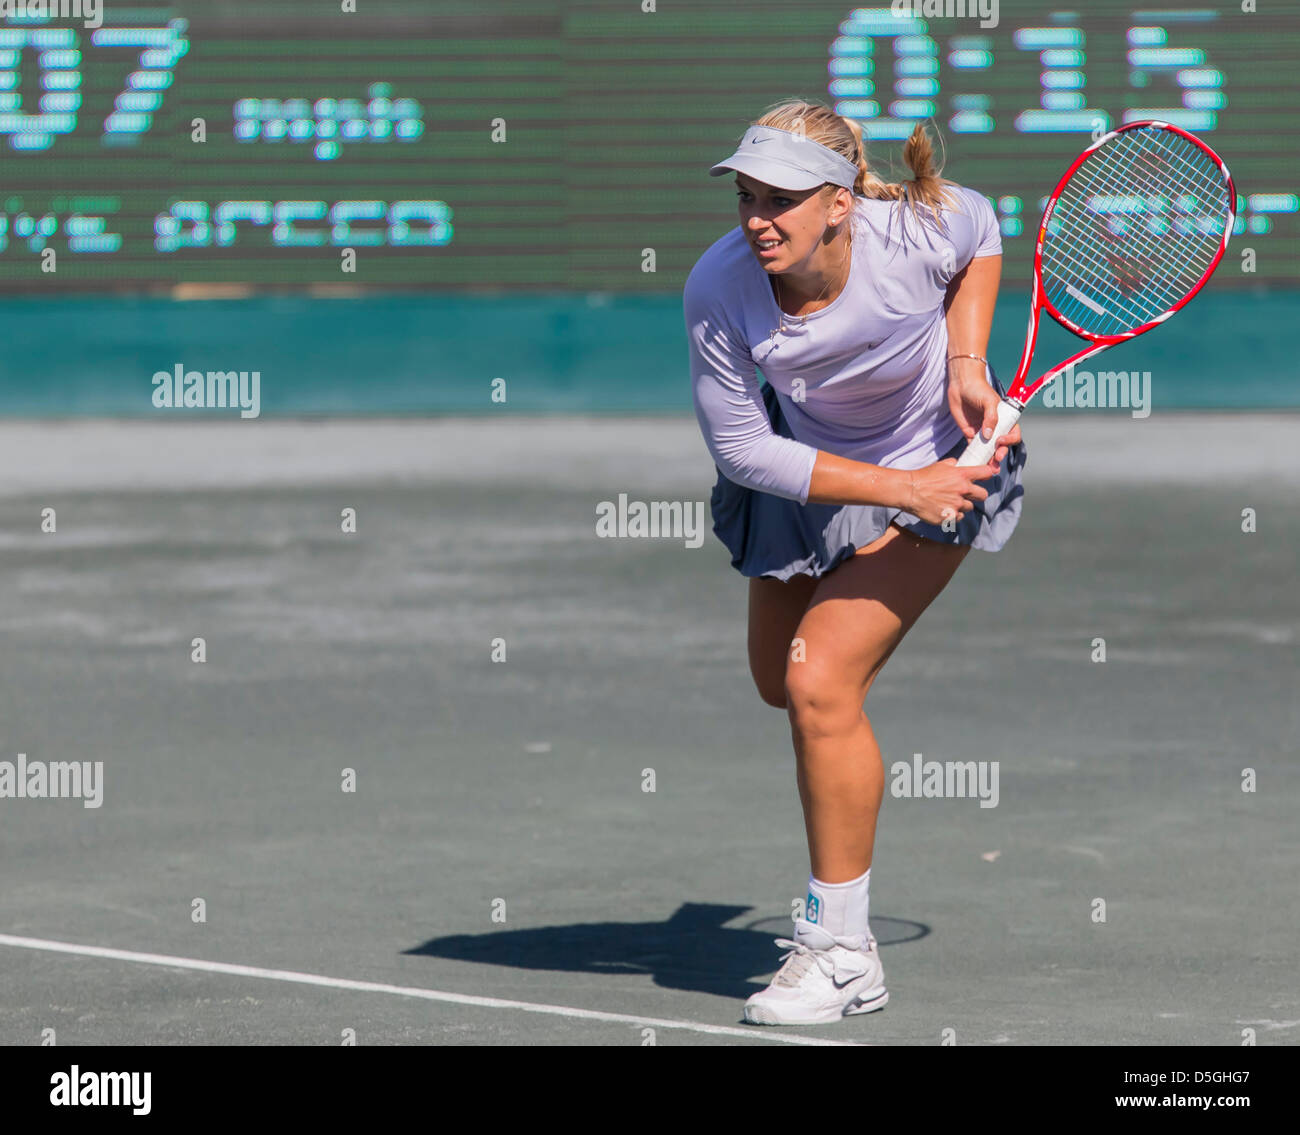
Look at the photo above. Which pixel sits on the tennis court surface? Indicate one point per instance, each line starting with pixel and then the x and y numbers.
pixel 500 875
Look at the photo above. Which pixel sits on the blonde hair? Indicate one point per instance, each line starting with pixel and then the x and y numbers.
pixel 844 135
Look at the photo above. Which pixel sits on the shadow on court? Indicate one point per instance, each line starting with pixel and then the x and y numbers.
pixel 693 950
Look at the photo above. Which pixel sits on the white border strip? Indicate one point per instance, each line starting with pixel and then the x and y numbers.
pixel 760 1032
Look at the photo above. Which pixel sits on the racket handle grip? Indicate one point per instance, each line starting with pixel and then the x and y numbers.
pixel 979 451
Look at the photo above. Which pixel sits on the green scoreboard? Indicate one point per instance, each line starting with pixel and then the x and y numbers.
pixel 550 145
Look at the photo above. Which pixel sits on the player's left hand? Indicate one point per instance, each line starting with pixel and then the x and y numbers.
pixel 974 406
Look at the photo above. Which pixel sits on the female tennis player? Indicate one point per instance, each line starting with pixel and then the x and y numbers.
pixel 868 307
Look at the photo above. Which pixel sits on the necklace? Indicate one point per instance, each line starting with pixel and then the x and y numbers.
pixel 776 281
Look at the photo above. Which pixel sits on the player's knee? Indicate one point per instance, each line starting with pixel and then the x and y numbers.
pixel 820 701
pixel 771 688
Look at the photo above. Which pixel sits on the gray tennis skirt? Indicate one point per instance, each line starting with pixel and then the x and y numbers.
pixel 777 538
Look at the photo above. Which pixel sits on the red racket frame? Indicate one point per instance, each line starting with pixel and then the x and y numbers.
pixel 1018 394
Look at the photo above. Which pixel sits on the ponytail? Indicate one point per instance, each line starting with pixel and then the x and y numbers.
pixel 926 189
pixel 844 135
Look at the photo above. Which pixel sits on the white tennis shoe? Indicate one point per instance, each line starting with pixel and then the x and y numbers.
pixel 823 979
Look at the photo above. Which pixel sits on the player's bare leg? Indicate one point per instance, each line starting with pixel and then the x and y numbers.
pixel 775 610
pixel 858 614
pixel 854 619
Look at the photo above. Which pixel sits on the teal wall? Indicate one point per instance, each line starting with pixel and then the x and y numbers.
pixel 402 354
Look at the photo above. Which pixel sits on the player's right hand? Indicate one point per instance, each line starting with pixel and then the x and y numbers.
pixel 943 491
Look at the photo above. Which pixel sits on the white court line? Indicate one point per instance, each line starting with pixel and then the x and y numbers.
pixel 759 1032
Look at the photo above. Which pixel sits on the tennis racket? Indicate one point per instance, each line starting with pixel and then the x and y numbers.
pixel 1131 233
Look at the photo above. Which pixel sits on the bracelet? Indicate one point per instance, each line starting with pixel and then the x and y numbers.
pixel 980 357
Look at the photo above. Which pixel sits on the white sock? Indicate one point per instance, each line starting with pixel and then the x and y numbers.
pixel 840 908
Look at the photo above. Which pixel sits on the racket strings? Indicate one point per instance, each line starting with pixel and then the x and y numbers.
pixel 1141 277
pixel 1155 173
pixel 1134 231
pixel 1133 263
pixel 1129 267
